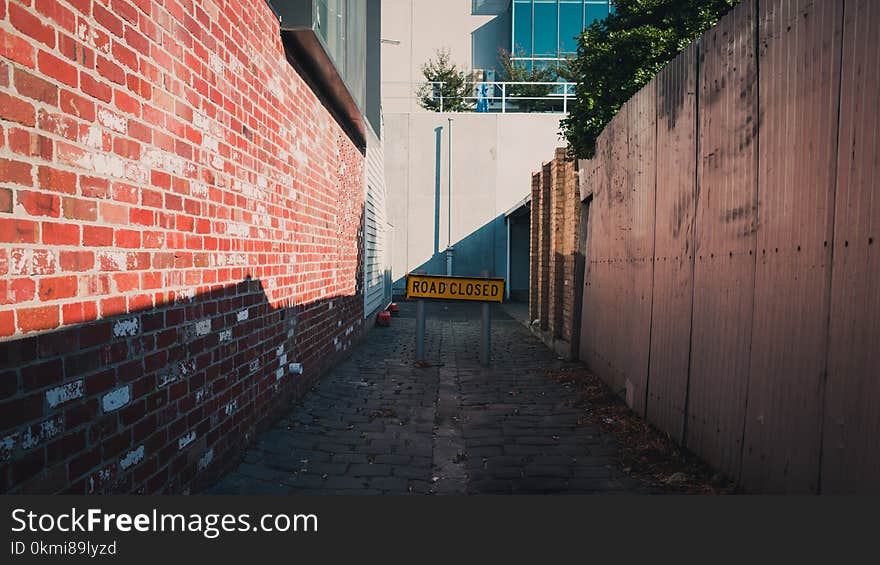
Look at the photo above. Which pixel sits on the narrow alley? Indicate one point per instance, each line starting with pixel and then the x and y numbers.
pixel 376 424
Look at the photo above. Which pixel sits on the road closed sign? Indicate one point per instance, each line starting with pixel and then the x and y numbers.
pixel 454 288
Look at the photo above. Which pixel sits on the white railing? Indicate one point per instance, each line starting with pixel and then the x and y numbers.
pixel 493 96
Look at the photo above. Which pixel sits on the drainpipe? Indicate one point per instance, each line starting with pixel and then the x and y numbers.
pixel 449 206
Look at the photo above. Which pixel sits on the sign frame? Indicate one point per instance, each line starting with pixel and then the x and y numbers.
pixel 445 293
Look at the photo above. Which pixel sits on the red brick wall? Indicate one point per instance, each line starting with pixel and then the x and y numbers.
pixel 180 219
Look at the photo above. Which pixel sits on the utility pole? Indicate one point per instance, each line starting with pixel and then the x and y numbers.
pixel 449 205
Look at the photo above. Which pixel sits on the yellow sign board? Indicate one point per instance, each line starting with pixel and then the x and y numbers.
pixel 454 288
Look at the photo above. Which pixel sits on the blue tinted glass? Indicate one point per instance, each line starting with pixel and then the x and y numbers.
pixel 595 12
pixel 545 29
pixel 522 28
pixel 570 25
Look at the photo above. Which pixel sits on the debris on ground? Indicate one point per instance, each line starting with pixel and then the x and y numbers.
pixel 645 453
pixel 383 413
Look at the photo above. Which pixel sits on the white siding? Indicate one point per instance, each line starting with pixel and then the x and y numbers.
pixel 377 259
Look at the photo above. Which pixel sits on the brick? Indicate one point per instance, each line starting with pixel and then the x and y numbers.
pixel 31 26
pixel 39 376
pixel 30 143
pixel 5 200
pixel 110 70
pixel 17 110
pixel 16 172
pixel 95 88
pixel 41 318
pixel 107 20
pixel 78 313
pixel 97 236
pixel 56 288
pixel 66 127
pixel 39 203
pixel 7 323
pixel 94 187
pixel 113 213
pixel 34 87
pixel 56 12
pixel 61 234
pixel 20 290
pixel 16 48
pixel 18 231
pixel 77 261
pixel 57 68
pixel 80 209
pixel 128 238
pixel 76 105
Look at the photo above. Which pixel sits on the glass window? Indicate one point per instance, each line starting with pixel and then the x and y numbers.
pixel 546 31
pixel 595 12
pixel 522 29
pixel 570 25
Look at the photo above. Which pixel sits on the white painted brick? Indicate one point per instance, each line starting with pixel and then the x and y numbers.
pixel 36 434
pixel 7 446
pixel 166 379
pixel 112 121
pixel 116 399
pixel 186 440
pixel 203 327
pixel 279 374
pixel 230 408
pixel 206 459
pixel 126 328
pixel 225 335
pixel 64 393
pixel 132 458
pixel 243 315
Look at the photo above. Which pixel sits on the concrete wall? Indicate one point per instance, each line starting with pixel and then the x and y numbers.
pixel 733 271
pixel 492 156
pixel 422 27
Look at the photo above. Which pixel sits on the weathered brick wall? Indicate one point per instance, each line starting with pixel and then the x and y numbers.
pixel 534 246
pixel 555 227
pixel 543 227
pixel 180 219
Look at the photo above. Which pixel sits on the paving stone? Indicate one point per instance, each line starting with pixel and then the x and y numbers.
pixel 376 424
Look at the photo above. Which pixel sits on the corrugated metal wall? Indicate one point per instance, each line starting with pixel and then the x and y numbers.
pixel 850 457
pixel 740 310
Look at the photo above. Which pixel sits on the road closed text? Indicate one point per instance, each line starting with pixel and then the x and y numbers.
pixel 454 288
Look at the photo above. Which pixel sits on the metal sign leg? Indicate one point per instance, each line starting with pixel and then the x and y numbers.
pixel 420 331
pixel 486 341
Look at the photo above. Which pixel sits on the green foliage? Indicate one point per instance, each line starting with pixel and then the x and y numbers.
pixel 517 71
pixel 620 55
pixel 449 96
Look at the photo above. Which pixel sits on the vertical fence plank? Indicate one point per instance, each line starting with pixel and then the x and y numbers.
pixel 726 222
pixel 673 243
pixel 850 458
pixel 799 62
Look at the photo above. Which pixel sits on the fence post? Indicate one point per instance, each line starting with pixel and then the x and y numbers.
pixel 503 97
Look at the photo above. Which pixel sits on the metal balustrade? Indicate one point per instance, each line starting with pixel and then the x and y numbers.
pixel 498 96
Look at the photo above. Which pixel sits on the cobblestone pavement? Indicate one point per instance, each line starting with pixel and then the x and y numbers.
pixel 376 424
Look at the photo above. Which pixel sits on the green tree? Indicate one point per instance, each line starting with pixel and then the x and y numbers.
pixel 516 71
pixel 619 55
pixel 454 87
